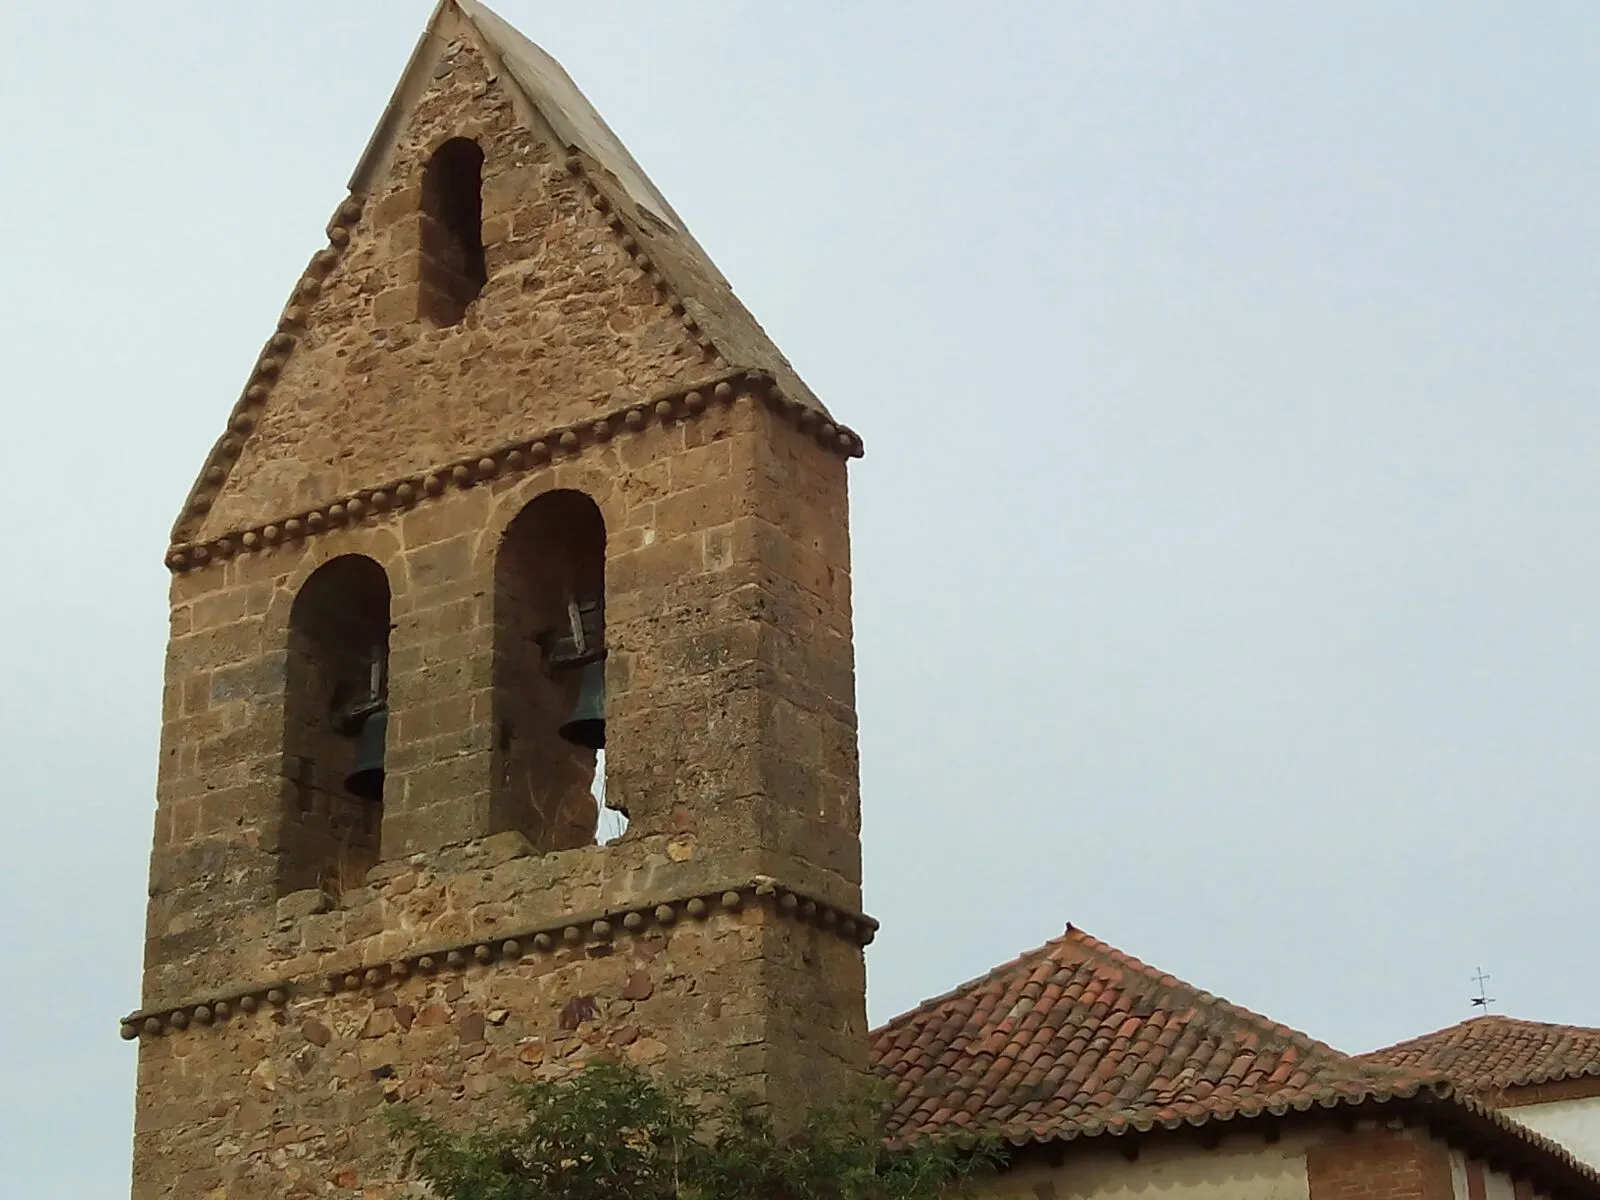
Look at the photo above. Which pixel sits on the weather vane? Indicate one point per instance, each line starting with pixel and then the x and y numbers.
pixel 1482 999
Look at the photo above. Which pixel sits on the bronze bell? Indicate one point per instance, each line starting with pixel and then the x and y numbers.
pixel 366 781
pixel 587 725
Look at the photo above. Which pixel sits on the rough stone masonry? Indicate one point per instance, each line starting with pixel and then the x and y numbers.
pixel 510 381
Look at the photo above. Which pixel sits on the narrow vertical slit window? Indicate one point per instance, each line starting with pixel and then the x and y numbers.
pixel 452 271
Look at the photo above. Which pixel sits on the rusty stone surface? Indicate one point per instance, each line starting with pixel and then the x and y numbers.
pixel 296 1096
pixel 342 966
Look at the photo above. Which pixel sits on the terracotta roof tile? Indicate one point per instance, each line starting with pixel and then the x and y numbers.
pixel 1106 1045
pixel 1487 1053
pixel 1074 1063
pixel 1077 1036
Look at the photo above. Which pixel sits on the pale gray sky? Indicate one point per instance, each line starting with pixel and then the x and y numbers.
pixel 1227 578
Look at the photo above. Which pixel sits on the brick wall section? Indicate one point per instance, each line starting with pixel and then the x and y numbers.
pixel 1379 1164
pixel 730 712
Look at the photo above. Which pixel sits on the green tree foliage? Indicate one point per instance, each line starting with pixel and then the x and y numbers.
pixel 612 1132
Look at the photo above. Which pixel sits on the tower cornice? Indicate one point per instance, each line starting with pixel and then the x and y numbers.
pixel 570 933
pixel 525 455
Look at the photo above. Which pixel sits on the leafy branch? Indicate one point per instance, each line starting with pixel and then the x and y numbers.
pixel 613 1132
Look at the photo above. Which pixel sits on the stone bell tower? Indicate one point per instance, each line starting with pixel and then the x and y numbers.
pixel 515 477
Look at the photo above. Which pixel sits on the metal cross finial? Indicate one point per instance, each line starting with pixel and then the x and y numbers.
pixel 1482 999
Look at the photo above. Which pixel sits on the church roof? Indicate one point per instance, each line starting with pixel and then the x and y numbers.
pixel 1078 1040
pixel 1491 1052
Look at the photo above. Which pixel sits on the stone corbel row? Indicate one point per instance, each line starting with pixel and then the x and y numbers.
pixel 269 365
pixel 575 932
pixel 515 458
pixel 208 1012
pixel 598 929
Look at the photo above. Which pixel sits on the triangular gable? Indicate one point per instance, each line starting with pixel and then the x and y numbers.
pixel 296 438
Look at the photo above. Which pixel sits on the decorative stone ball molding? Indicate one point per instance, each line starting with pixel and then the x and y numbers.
pixel 557 445
pixel 683 404
pixel 268 367
pixel 632 241
pixel 213 1011
pixel 577 931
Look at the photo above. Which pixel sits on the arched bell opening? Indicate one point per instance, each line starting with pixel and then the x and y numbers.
pixel 549 672
pixel 335 723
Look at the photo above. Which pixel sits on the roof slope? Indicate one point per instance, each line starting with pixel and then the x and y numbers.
pixel 1076 1038
pixel 1490 1052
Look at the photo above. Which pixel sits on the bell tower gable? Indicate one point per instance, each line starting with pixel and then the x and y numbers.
pixel 478 290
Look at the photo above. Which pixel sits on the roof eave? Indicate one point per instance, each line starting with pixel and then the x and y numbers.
pixel 1461 1121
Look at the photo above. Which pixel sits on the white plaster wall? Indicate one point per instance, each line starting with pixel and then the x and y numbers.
pixel 1242 1168
pixel 1573 1123
pixel 1497 1186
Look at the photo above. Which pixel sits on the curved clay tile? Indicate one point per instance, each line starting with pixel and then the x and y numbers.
pixel 1492 1052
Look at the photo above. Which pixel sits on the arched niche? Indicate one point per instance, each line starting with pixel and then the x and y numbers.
pixel 335 714
pixel 549 630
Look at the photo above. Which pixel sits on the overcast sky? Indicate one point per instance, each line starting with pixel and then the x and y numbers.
pixel 1226 562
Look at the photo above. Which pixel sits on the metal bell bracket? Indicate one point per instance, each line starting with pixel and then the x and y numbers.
pixel 584 640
